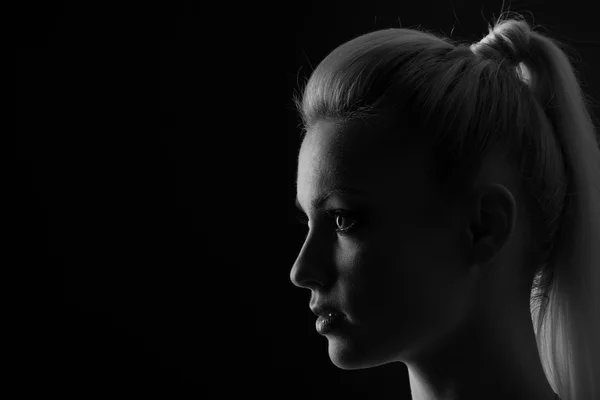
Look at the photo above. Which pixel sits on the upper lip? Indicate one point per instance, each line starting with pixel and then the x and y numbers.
pixel 323 310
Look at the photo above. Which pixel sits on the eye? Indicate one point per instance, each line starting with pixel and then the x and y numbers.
pixel 342 217
pixel 339 217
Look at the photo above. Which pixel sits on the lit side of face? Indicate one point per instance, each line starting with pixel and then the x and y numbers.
pixel 397 272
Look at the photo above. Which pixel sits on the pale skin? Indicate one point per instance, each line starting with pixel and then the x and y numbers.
pixel 436 287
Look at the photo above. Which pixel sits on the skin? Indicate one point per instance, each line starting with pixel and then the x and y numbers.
pixel 439 288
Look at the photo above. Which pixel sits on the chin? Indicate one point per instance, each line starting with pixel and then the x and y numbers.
pixel 350 356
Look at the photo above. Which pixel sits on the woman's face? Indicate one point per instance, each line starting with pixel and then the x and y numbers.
pixel 397 273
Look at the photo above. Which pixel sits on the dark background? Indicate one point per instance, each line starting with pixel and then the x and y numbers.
pixel 152 192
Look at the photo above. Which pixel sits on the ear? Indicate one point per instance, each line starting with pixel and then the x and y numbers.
pixel 491 220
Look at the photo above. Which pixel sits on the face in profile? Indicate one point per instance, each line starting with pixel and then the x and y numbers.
pixel 384 253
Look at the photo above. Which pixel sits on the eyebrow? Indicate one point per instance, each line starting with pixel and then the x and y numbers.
pixel 319 201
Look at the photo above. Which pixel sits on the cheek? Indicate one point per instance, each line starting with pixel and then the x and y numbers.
pixel 381 287
pixel 435 297
pixel 418 282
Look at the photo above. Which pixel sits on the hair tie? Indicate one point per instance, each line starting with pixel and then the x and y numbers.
pixel 498 47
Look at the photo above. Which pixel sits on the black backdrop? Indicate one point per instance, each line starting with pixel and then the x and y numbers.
pixel 152 194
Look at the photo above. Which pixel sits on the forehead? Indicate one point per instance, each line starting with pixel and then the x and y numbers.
pixel 330 151
pixel 364 157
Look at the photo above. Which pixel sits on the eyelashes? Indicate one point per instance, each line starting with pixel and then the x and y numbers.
pixel 335 216
pixel 302 219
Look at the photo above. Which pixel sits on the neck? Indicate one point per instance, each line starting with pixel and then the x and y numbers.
pixel 493 358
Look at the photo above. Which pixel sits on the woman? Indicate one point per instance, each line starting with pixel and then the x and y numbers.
pixel 453 202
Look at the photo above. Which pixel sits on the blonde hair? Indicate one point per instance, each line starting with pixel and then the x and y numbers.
pixel 516 90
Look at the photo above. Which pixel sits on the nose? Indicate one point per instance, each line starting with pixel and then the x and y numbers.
pixel 309 270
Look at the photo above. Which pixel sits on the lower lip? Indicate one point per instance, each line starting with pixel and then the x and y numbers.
pixel 328 324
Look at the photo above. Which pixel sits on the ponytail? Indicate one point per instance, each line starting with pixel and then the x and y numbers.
pixel 568 325
pixel 565 301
